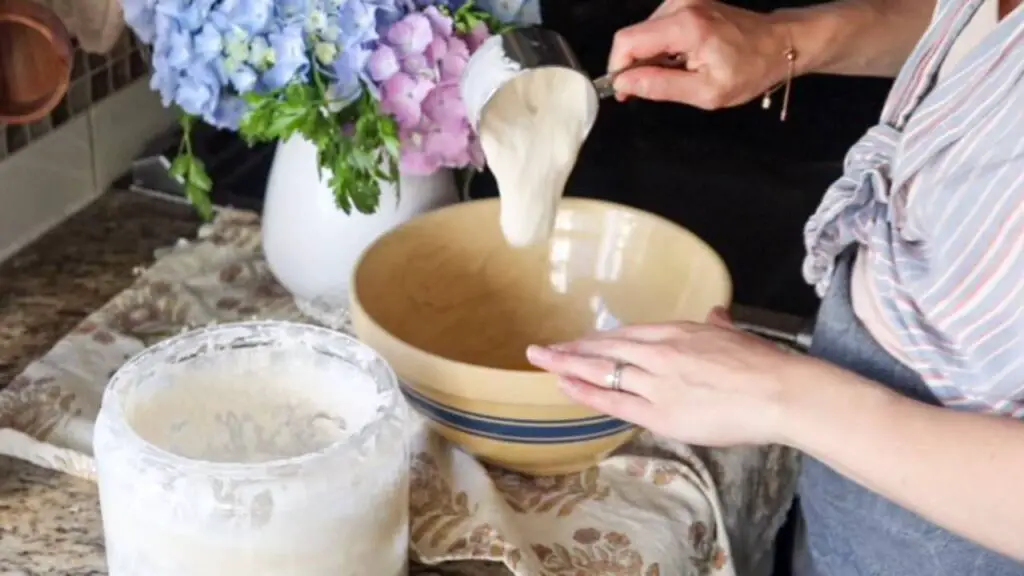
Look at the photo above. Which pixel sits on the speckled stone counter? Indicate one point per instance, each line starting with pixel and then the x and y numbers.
pixel 50 522
pixel 54 283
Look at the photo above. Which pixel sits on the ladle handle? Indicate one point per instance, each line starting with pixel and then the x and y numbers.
pixel 605 84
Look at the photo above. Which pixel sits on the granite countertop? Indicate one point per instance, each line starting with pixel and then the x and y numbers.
pixel 53 284
pixel 50 522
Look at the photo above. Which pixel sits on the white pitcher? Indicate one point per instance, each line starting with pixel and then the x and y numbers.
pixel 312 246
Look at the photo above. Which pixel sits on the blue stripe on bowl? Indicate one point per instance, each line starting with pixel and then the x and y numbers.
pixel 409 390
pixel 515 429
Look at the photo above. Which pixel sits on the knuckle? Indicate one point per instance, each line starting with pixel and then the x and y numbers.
pixel 623 37
pixel 601 368
pixel 677 329
pixel 562 361
pixel 652 89
pixel 688 11
pixel 646 90
pixel 664 351
pixel 699 19
pixel 598 369
pixel 702 27
pixel 681 26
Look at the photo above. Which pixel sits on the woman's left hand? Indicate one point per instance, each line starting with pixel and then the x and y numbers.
pixel 707 384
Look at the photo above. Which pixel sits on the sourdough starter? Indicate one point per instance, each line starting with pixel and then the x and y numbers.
pixel 531 131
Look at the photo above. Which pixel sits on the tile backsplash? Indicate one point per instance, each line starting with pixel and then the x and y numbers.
pixel 94 77
pixel 54 167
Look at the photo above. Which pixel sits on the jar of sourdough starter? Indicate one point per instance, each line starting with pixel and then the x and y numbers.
pixel 256 449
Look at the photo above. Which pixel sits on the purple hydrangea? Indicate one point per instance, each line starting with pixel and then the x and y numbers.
pixel 416 69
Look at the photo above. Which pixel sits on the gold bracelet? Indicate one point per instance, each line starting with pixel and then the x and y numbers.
pixel 766 101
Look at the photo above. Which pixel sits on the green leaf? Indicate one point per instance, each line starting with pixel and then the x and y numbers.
pixel 341 199
pixel 285 123
pixel 393 169
pixel 200 200
pixel 391 147
pixel 191 172
pixel 198 177
pixel 179 168
pixel 353 163
pixel 197 183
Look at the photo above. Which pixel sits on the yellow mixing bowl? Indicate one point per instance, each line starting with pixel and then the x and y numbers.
pixel 452 307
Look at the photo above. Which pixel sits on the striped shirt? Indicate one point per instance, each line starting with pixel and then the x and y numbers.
pixel 934 197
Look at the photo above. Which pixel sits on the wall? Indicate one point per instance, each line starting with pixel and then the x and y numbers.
pixel 53 168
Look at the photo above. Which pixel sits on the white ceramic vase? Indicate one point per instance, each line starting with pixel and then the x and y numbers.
pixel 312 246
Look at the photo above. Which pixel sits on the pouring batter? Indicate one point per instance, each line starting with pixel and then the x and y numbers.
pixel 531 135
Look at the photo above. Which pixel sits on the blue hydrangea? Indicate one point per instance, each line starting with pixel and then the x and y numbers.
pixel 207 54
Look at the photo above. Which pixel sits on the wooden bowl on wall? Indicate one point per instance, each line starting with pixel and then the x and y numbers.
pixel 452 307
pixel 35 61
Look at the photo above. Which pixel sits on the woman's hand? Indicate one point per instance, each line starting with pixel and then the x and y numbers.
pixel 713 385
pixel 733 55
pixel 707 384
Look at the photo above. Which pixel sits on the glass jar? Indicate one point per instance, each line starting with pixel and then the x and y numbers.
pixel 257 448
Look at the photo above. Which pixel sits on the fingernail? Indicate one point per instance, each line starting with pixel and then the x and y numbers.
pixel 537 353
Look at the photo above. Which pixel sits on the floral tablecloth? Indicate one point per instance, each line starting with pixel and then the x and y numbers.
pixel 656 508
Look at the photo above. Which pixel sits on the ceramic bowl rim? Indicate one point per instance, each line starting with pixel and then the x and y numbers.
pixel 535 376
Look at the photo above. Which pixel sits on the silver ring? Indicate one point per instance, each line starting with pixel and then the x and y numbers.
pixel 614 378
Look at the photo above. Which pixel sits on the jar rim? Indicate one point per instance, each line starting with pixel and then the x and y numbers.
pixel 113 403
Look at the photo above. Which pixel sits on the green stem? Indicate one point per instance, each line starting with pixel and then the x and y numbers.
pixel 185 147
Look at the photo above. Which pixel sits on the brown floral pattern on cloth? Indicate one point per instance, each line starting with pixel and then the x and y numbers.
pixel 656 508
pixel 558 494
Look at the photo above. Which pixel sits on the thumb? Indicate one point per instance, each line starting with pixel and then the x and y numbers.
pixel 666 85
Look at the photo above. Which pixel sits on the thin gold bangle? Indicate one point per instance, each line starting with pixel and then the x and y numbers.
pixel 787 84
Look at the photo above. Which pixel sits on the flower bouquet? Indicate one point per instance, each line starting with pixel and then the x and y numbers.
pixel 372 84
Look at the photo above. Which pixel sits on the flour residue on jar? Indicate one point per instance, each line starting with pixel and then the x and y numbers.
pixel 247 409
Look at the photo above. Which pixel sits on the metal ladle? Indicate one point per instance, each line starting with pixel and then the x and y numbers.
pixel 605 85
pixel 505 57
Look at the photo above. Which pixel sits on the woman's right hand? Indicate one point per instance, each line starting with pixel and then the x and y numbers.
pixel 733 55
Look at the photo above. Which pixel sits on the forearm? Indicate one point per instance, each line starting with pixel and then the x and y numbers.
pixel 961 471
pixel 855 37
